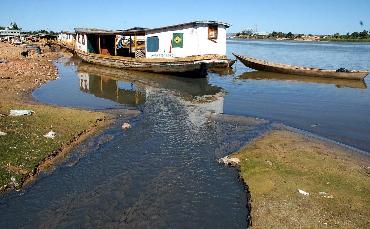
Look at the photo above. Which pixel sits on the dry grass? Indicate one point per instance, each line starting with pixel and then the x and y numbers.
pixel 276 165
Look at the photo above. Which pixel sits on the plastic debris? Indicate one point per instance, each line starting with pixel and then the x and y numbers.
pixel 303 192
pixel 2 133
pixel 14 181
pixel 233 161
pixel 126 126
pixel 325 195
pixel 51 135
pixel 20 112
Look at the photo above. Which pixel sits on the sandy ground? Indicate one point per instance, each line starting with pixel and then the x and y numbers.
pixel 19 75
pixel 297 181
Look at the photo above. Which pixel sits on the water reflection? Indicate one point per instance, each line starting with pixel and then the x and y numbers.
pixel 105 87
pixel 261 75
pixel 187 88
pixel 197 97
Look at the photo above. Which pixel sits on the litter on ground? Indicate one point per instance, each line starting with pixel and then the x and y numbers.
pixel 20 112
pixel 51 135
pixel 303 192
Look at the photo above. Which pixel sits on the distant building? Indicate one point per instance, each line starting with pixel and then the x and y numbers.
pixel 10 32
pixel 67 37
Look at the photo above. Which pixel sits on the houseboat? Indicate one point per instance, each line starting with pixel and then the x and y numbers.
pixel 186 49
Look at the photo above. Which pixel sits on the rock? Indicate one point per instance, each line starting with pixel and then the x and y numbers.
pixel 14 181
pixel 303 192
pixel 233 161
pixel 51 135
pixel 126 126
pixel 20 112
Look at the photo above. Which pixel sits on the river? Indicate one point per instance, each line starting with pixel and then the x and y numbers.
pixel 163 172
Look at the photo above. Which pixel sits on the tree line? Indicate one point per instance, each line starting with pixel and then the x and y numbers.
pixel 364 35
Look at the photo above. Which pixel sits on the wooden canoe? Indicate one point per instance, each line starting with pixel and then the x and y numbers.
pixel 297 70
pixel 340 83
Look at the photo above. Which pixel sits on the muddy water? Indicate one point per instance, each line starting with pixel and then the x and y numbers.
pixel 163 171
pixel 160 173
pixel 335 109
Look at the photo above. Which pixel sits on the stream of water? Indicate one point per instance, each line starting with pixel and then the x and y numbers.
pixel 163 172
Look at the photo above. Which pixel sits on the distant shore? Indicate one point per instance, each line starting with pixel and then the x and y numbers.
pixel 302 40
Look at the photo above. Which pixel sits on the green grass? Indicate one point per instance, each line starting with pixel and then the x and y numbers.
pixel 281 162
pixel 24 146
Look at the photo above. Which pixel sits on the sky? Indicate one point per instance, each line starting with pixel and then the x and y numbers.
pixel 297 16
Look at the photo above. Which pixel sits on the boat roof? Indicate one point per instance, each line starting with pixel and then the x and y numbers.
pixel 139 31
pixel 97 31
pixel 67 32
pixel 193 23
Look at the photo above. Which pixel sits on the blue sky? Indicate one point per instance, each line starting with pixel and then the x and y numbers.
pixel 297 16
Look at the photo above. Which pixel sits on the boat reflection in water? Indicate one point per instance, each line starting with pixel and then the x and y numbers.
pixel 105 87
pixel 197 97
pixel 261 75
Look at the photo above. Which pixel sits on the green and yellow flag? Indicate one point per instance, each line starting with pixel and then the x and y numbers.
pixel 177 40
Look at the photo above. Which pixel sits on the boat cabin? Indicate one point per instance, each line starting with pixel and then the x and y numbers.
pixel 188 39
pixel 96 41
pixel 183 40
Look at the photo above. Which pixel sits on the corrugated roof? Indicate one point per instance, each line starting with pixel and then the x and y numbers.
pixel 194 23
pixel 97 31
pixel 142 31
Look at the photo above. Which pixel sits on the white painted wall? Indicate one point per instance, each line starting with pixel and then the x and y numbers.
pixel 67 38
pixel 79 45
pixel 195 40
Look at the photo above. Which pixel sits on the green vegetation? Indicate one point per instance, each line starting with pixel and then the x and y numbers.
pixel 24 147
pixel 276 165
pixel 355 36
pixel 14 26
pixel 363 36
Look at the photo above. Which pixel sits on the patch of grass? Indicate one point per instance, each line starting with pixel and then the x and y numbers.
pixel 24 146
pixel 276 165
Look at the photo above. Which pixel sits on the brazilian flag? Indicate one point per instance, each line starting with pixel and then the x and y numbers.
pixel 178 40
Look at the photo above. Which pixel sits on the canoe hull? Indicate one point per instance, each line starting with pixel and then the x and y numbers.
pixel 192 69
pixel 303 71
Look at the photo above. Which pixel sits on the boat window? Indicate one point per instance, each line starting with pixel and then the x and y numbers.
pixel 212 32
pixel 152 44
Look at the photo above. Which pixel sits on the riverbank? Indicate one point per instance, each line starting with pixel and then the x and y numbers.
pixel 25 147
pixel 297 181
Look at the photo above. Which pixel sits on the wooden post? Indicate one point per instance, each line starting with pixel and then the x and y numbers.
pixel 115 45
pixel 130 45
pixel 99 45
pixel 135 40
